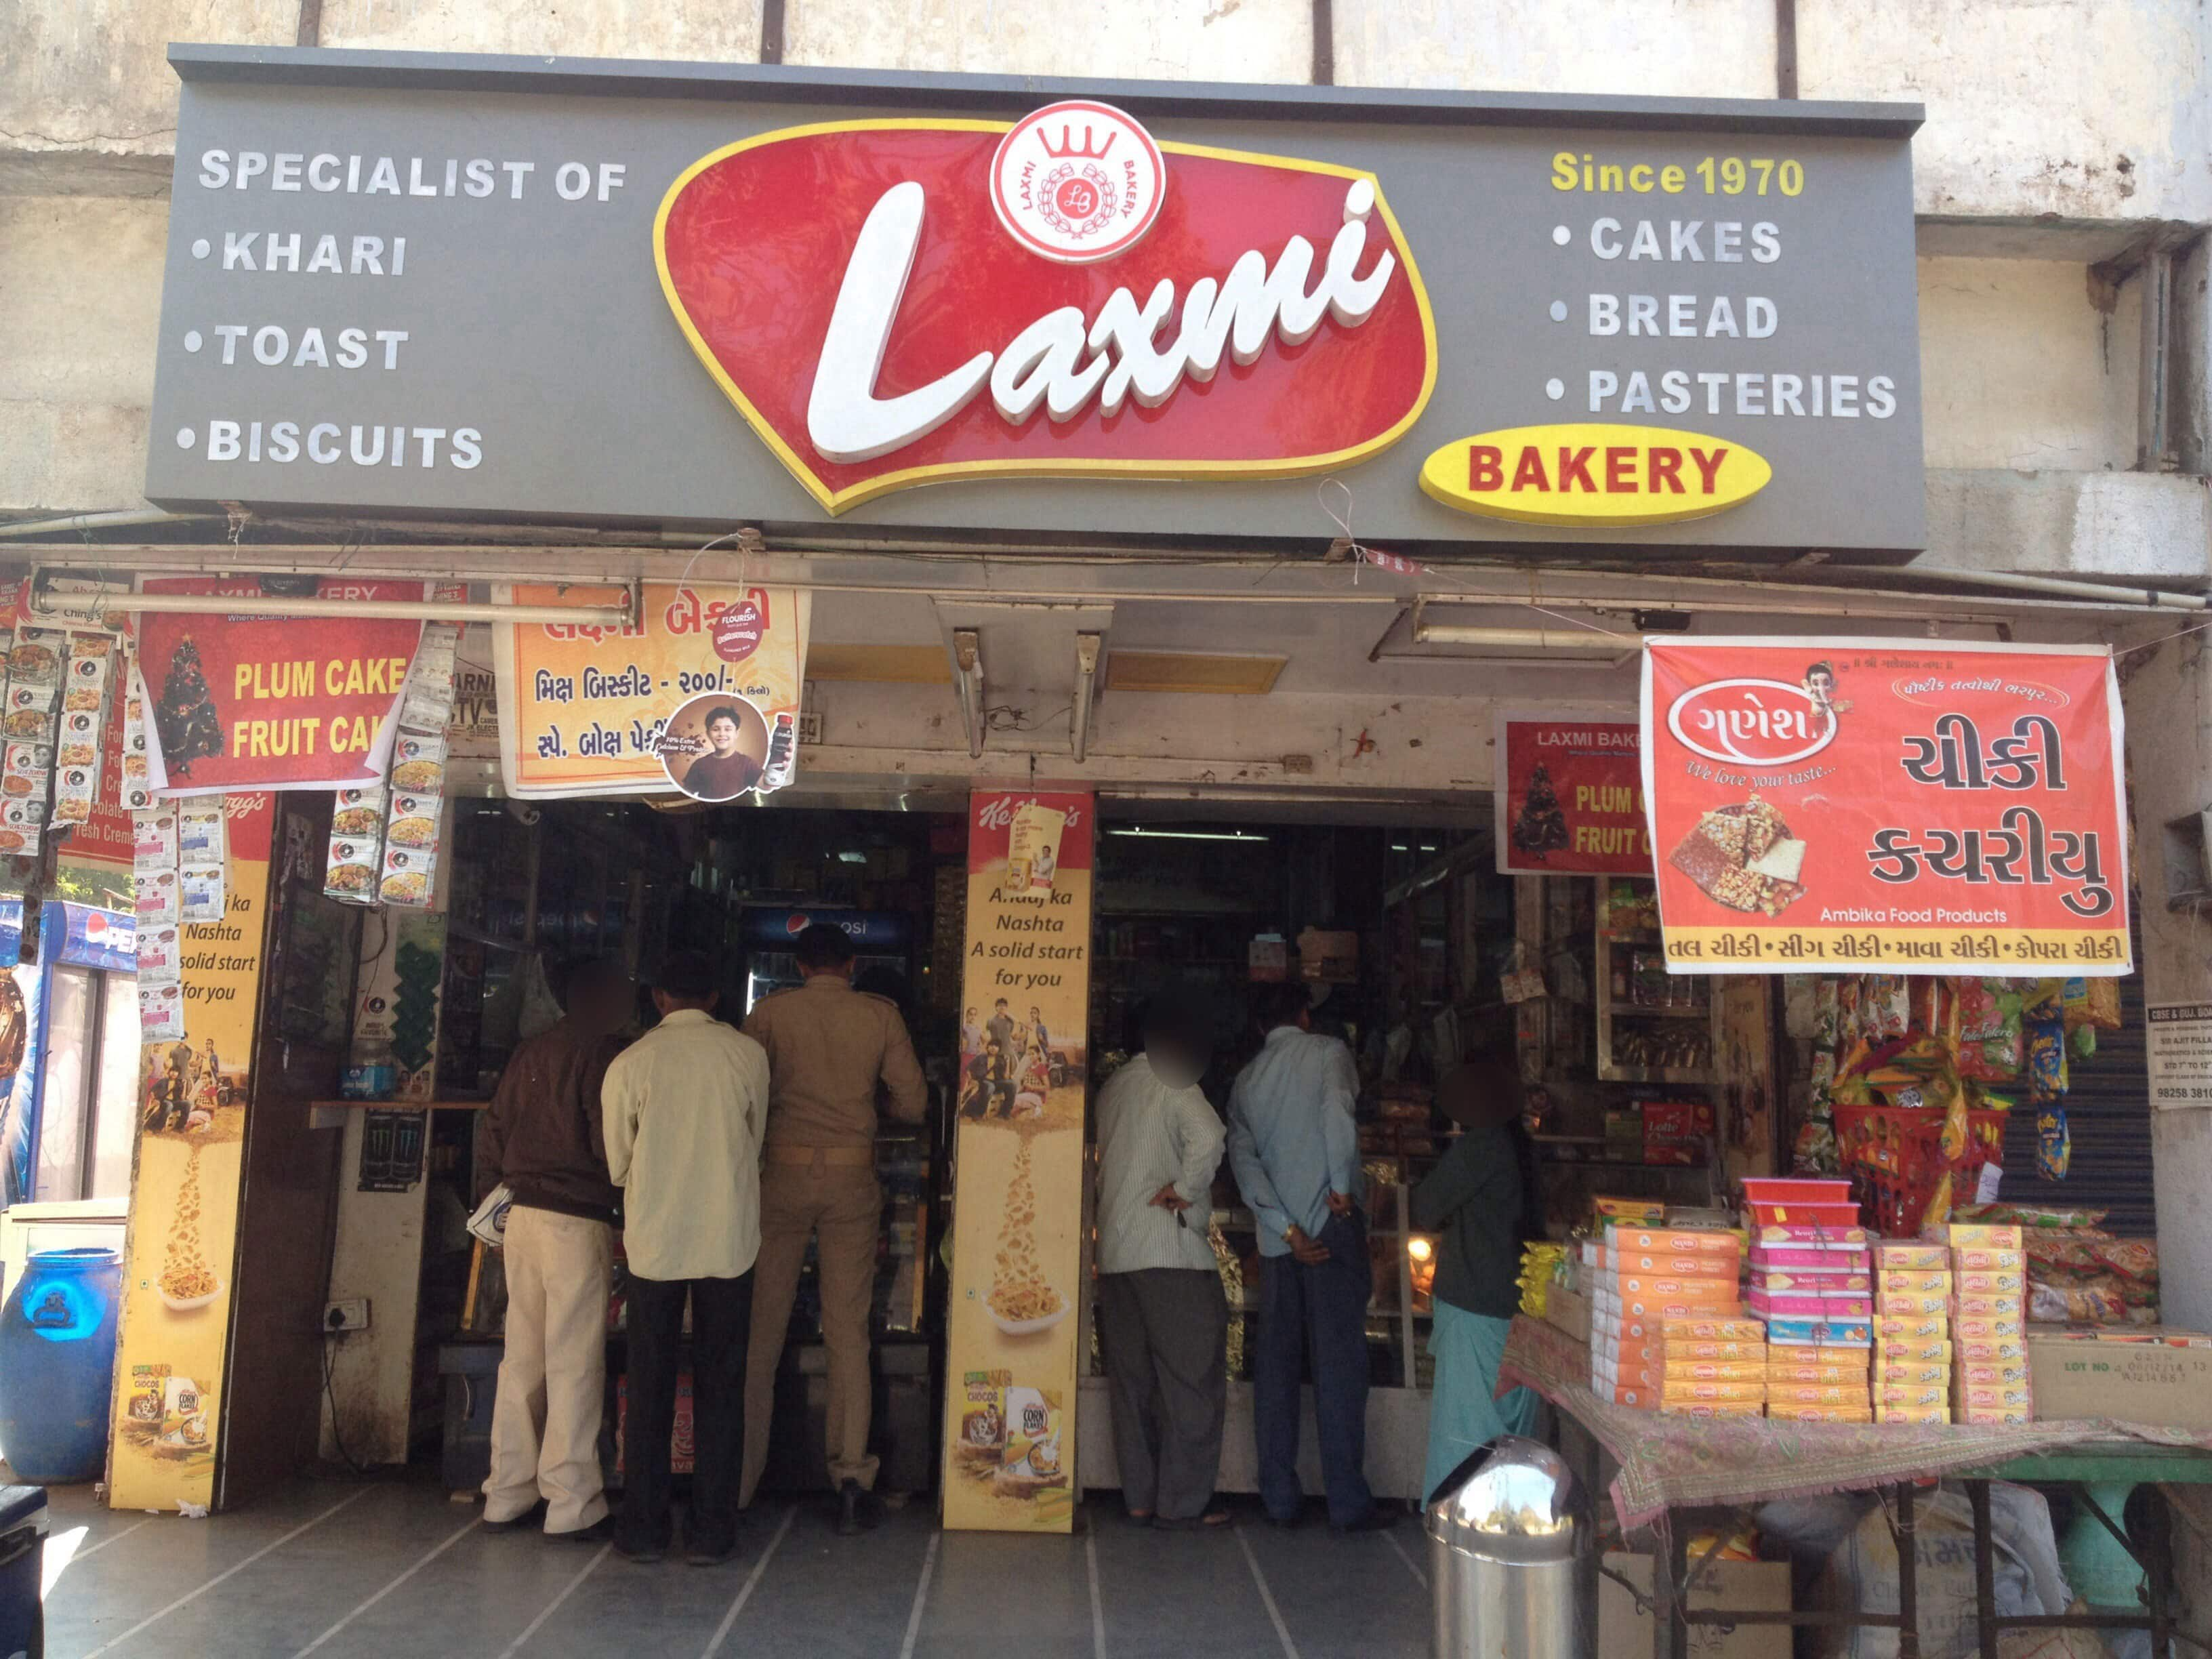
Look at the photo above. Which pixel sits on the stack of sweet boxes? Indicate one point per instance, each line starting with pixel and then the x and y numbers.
pixel 1667 1330
pixel 1989 1274
pixel 1812 1282
pixel 1912 1334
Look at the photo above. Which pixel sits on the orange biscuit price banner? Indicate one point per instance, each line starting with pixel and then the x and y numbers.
pixel 1926 808
pixel 585 709
pixel 1011 1333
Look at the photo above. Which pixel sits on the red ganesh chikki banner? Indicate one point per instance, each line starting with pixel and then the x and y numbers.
pixel 1570 797
pixel 1928 808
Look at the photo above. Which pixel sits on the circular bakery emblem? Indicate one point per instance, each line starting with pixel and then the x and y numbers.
pixel 1754 722
pixel 1077 181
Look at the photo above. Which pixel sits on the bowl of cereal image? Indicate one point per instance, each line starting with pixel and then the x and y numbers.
pixel 188 1281
pixel 1027 1311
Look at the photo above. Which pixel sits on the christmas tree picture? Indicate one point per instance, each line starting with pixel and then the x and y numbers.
pixel 186 714
pixel 1541 827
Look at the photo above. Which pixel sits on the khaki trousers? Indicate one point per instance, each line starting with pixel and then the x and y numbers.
pixel 843 1207
pixel 553 1377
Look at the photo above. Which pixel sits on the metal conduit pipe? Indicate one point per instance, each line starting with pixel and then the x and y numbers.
pixel 119 518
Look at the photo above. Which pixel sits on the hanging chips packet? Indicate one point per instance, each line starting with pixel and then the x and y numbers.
pixel 2054 1144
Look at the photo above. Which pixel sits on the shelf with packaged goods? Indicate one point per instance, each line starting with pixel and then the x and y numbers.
pixel 1627 1028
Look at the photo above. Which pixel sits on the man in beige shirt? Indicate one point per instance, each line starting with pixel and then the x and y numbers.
pixel 828 1049
pixel 683 1109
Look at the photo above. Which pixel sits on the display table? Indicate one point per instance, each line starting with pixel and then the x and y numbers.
pixel 1669 1462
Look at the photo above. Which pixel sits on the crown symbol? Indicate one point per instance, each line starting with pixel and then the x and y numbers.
pixel 1067 146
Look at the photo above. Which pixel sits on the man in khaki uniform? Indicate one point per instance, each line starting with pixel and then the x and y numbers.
pixel 828 1048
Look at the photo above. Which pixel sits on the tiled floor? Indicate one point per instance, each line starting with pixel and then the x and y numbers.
pixel 395 1568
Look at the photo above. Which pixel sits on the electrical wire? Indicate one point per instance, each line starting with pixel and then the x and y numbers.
pixel 329 1393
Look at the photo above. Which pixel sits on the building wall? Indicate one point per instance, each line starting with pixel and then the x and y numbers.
pixel 2085 109
pixel 2030 386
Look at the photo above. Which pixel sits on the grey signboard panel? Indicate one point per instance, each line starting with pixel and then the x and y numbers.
pixel 521 336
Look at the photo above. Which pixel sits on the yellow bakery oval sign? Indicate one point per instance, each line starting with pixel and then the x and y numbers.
pixel 1593 474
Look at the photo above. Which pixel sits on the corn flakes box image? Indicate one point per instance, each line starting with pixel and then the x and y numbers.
pixel 1032 1454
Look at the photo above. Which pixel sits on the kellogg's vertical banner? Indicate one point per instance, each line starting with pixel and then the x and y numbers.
pixel 1924 807
pixel 180 1258
pixel 1569 797
pixel 1011 1360
pixel 699 694
pixel 247 702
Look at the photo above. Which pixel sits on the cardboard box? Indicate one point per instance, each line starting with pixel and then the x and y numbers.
pixel 1785 1413
pixel 2136 1383
pixel 1963 1236
pixel 1674 1240
pixel 1909 1257
pixel 1712 1328
pixel 1753 1586
pixel 1669 1267
pixel 1570 1310
pixel 1915 1281
pixel 1905 1304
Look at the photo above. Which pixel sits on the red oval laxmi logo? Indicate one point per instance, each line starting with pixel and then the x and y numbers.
pixel 880 321
pixel 1751 722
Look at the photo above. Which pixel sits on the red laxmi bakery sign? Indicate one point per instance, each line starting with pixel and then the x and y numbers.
pixel 898 302
pixel 1570 797
pixel 1926 808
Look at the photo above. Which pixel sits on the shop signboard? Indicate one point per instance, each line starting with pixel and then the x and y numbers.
pixel 698 696
pixel 1918 806
pixel 1011 1359
pixel 246 702
pixel 1570 796
pixel 2180 1055
pixel 180 1256
pixel 93 937
pixel 650 293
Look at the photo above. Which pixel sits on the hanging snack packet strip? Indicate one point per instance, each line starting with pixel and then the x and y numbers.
pixel 136 792
pixel 202 847
pixel 408 872
pixel 84 711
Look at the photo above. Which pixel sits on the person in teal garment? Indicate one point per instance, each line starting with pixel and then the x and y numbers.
pixel 1479 1203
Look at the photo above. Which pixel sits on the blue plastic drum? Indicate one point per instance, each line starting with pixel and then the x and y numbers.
pixel 58 1366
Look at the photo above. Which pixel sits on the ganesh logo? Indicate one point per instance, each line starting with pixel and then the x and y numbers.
pixel 1077 182
pixel 1751 722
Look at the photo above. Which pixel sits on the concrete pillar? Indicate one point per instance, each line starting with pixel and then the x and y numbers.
pixel 2168 694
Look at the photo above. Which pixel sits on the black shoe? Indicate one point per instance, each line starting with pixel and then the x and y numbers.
pixel 1290 1522
pixel 600 1532
pixel 644 1552
pixel 1381 1518
pixel 709 1552
pixel 529 1520
pixel 857 1509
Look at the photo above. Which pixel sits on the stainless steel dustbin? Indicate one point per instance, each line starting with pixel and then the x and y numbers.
pixel 1510 1556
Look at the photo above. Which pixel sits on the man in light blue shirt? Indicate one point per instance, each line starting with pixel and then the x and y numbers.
pixel 1162 1318
pixel 1294 1147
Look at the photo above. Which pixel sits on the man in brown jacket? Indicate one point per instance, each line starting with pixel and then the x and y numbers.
pixel 828 1048
pixel 542 1135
